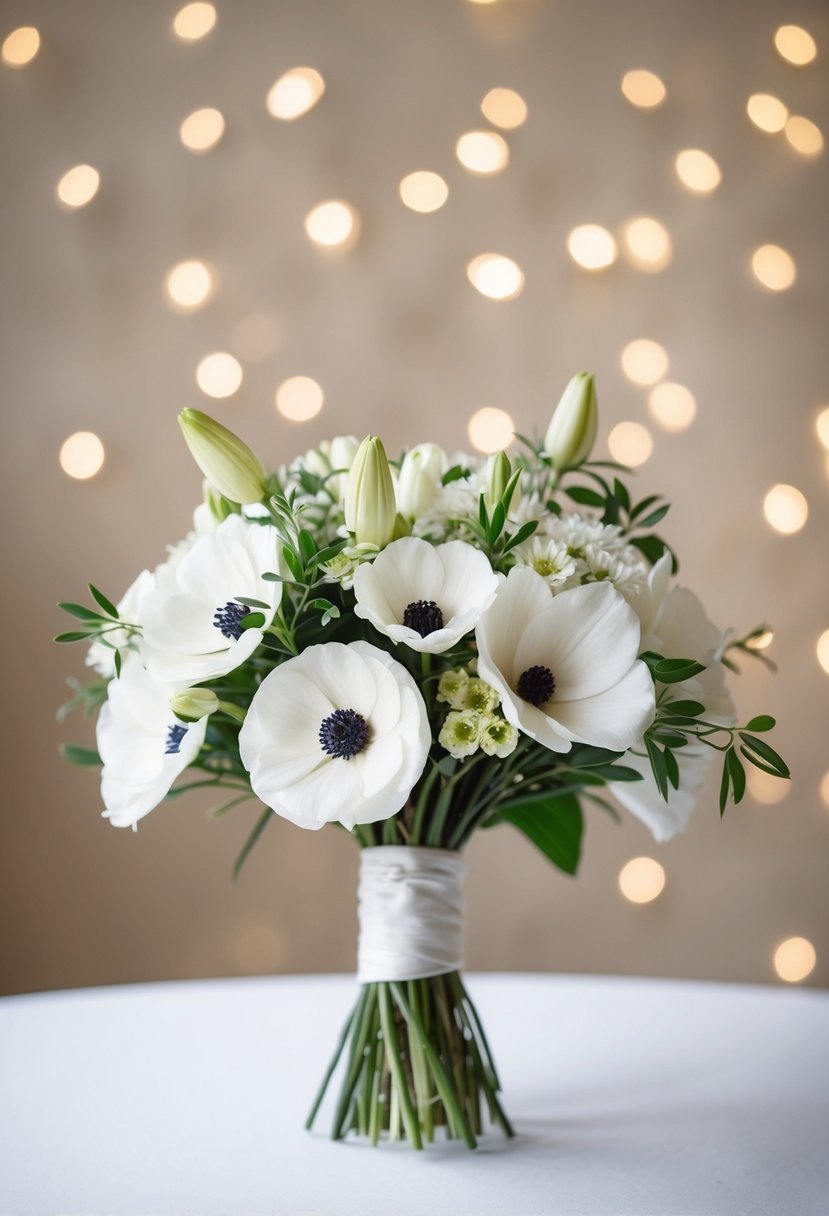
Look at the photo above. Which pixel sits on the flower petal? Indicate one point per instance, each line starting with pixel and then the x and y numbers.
pixel 615 718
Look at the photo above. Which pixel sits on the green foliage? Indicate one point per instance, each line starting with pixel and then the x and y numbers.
pixel 554 825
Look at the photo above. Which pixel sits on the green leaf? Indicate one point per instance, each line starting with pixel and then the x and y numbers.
pixel 499 516
pixel 76 636
pixel 684 709
pixel 326 554
pixel 766 753
pixel 251 603
pixel 674 671
pixel 582 755
pixel 117 662
pixel 620 492
pixel 86 757
pixel 585 496
pixel 526 530
pixel 653 548
pixel 454 474
pixel 253 620
pixel 83 614
pixel 506 497
pixel 307 545
pixel 642 506
pixel 724 784
pixel 322 604
pixel 762 723
pixel 658 767
pixel 102 602
pixel 737 774
pixel 672 768
pixel 292 562
pixel 483 518
pixel 554 826
pixel 614 772
pixel 758 763
pixel 651 520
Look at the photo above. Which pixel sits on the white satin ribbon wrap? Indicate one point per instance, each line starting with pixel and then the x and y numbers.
pixel 410 909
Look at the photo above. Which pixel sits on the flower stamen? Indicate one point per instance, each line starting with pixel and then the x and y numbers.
pixel 228 619
pixel 175 734
pixel 423 616
pixel 344 733
pixel 536 685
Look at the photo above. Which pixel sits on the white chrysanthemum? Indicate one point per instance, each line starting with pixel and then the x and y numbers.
pixel 548 557
pixel 142 744
pixel 675 624
pixel 624 569
pixel 425 596
pixel 576 533
pixel 193 624
pixel 451 506
pixel 566 667
pixel 339 733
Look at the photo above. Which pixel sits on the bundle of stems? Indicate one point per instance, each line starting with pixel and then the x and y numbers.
pixel 416 1060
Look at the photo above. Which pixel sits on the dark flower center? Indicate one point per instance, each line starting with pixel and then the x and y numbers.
pixel 423 616
pixel 344 733
pixel 228 620
pixel 536 685
pixel 175 734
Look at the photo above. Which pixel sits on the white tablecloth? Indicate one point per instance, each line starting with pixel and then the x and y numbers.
pixel 629 1097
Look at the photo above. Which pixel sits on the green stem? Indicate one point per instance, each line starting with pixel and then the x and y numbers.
pixel 393 1054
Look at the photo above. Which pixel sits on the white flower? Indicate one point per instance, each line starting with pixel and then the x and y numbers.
pixel 548 557
pixel 498 737
pixel 339 733
pixel 425 596
pixel 452 687
pixel 576 533
pixel 420 476
pixel 452 504
pixel 572 430
pixel 566 667
pixel 675 624
pixel 193 625
pixel 460 733
pixel 623 570
pixel 101 656
pixel 142 744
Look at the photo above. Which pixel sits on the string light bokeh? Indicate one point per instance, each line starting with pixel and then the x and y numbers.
pixel 629 202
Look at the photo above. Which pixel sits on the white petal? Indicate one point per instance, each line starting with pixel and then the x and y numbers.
pixel 324 796
pixel 588 638
pixel 469 582
pixel 643 799
pixel 616 718
pixel 522 597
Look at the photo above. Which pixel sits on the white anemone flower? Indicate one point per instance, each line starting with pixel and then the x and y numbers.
pixel 675 624
pixel 566 666
pixel 427 596
pixel 194 626
pixel 339 733
pixel 143 745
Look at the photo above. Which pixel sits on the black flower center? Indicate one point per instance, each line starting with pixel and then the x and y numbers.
pixel 175 734
pixel 423 616
pixel 228 619
pixel 536 685
pixel 344 733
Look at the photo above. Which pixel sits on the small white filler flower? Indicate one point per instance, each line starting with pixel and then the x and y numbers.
pixel 427 596
pixel 566 667
pixel 194 626
pixel 143 745
pixel 339 733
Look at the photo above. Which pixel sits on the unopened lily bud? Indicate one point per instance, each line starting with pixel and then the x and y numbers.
pixel 498 473
pixel 370 506
pixel 421 471
pixel 227 463
pixel 572 430
pixel 194 704
pixel 341 455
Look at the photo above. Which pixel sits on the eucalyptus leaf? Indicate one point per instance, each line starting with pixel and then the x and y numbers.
pixel 102 602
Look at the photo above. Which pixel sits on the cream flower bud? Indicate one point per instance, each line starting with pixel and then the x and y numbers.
pixel 227 463
pixel 420 476
pixel 460 734
pixel 194 704
pixel 370 507
pixel 572 430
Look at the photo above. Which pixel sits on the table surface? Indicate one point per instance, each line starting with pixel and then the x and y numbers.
pixel 629 1097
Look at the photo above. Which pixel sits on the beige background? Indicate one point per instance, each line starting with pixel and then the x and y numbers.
pixel 402 344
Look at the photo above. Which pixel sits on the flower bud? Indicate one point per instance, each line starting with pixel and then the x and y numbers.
pixel 194 704
pixel 341 455
pixel 572 430
pixel 420 476
pixel 370 507
pixel 227 463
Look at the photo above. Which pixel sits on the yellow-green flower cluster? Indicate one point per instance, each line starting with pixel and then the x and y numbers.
pixel 472 722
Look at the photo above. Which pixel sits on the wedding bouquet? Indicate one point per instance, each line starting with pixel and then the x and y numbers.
pixel 414 650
